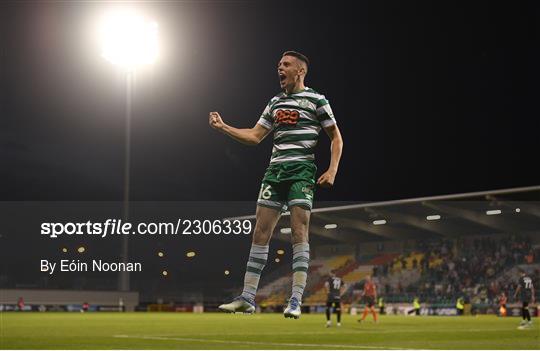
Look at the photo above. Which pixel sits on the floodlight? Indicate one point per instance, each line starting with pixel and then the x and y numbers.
pixel 129 40
pixel 493 212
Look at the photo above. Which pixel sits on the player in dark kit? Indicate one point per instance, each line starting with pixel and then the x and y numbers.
pixel 526 290
pixel 334 288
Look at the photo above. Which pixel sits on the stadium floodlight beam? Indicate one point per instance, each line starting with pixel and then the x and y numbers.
pixel 128 41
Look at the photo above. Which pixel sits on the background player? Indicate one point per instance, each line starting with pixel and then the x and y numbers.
pixel 502 304
pixel 296 116
pixel 526 288
pixel 369 295
pixel 335 286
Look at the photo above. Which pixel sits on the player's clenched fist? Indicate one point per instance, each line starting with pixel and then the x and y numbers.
pixel 215 120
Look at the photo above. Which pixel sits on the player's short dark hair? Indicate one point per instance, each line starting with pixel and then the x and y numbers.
pixel 298 55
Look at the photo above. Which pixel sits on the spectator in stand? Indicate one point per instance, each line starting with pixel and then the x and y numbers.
pixel 529 258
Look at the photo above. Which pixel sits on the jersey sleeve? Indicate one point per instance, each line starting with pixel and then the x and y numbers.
pixel 267 120
pixel 324 112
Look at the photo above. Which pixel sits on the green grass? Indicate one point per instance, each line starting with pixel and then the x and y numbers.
pixel 260 331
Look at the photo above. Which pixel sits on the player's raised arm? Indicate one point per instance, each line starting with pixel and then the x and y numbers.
pixel 248 136
pixel 326 180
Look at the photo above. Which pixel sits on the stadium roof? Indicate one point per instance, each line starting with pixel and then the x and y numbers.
pixel 505 211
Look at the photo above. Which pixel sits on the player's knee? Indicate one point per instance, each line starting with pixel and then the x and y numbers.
pixel 261 235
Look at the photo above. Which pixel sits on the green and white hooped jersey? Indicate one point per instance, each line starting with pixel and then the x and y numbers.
pixel 296 120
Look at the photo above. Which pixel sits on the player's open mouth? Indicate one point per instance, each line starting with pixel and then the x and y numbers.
pixel 282 77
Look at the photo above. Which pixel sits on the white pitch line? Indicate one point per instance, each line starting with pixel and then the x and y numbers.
pixel 344 332
pixel 261 343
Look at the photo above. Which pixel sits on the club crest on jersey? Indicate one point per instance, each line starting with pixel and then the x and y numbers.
pixel 304 103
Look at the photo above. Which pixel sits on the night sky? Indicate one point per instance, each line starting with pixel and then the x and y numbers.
pixel 431 98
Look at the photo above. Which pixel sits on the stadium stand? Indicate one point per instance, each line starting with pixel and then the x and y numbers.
pixel 437 271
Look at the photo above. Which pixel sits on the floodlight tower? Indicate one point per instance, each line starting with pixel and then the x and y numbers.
pixel 128 41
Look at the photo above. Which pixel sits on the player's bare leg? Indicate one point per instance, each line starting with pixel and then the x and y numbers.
pixel 374 313
pixel 266 220
pixel 364 314
pixel 300 242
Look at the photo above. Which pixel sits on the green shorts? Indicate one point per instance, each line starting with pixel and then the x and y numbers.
pixel 288 184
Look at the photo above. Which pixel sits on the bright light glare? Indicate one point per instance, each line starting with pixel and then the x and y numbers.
pixel 129 40
pixel 379 222
pixel 433 217
pixel 330 226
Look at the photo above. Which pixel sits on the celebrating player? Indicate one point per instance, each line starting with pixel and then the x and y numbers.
pixel 526 288
pixel 334 288
pixel 296 116
pixel 369 295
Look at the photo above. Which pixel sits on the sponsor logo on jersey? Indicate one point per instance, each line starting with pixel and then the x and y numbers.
pixel 287 117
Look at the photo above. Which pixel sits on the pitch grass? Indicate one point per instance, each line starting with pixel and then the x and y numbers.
pixel 260 331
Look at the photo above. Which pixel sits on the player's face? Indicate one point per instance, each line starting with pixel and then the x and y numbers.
pixel 288 71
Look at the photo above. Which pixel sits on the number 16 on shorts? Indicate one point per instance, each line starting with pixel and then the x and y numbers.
pixel 268 197
pixel 266 192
